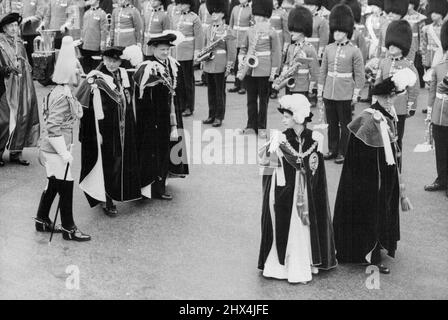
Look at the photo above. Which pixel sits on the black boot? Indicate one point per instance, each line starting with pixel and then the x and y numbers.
pixel 43 222
pixel 75 234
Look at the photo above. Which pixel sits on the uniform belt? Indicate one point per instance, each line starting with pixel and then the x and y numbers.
pixel 222 51
pixel 442 96
pixel 279 30
pixel 124 30
pixel 303 71
pixel 340 75
pixel 312 39
pixel 263 53
pixel 415 34
pixel 153 35
pixel 241 28
pixel 188 38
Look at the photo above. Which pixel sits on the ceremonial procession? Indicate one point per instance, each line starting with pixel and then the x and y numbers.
pixel 223 149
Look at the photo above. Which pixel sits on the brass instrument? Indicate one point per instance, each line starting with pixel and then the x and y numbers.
pixel 251 60
pixel 207 53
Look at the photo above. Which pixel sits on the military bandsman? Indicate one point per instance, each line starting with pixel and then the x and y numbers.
pixel 126 27
pixel 93 35
pixel 58 16
pixel 261 58
pixel 240 21
pixel 437 116
pixel 321 32
pixel 219 67
pixel 155 21
pixel 341 79
pixel 188 23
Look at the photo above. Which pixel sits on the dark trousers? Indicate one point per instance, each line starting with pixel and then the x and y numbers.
pixel 216 91
pixel 400 134
pixel 4 124
pixel 238 84
pixel 158 187
pixel 420 69
pixel 89 64
pixel 440 134
pixel 29 47
pixel 339 115
pixel 185 85
pixel 257 102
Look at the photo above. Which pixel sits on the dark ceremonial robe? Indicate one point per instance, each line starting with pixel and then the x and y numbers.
pixel 18 98
pixel 119 146
pixel 153 125
pixel 366 212
pixel 321 230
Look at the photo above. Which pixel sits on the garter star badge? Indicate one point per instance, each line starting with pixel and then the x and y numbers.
pixel 314 162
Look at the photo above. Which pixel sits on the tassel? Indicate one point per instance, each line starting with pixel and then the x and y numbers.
pixel 406 204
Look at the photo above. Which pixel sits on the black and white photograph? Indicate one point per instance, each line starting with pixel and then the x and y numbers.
pixel 243 151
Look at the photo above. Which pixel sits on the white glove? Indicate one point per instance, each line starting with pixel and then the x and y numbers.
pixel 174 136
pixel 58 143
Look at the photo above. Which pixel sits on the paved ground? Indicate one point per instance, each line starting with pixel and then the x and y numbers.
pixel 204 244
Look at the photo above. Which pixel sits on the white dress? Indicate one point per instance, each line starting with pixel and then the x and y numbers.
pixel 298 257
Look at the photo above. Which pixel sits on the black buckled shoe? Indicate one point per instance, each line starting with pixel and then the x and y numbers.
pixel 339 159
pixel 242 91
pixel 208 121
pixel 233 90
pixel 217 123
pixel 46 226
pixel 383 269
pixel 435 186
pixel 164 196
pixel 330 156
pixel 75 235
pixel 187 113
pixel 110 211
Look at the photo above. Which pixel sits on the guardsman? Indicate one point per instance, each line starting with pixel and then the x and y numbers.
pixel 359 34
pixel 341 79
pixel 374 22
pixel 58 16
pixel 155 21
pixel 240 21
pixel 93 35
pixel 300 25
pixel 172 10
pixel 321 32
pixel 206 20
pixel 417 22
pixel 219 67
pixel 430 45
pixel 32 12
pixel 260 61
pixel 437 116
pixel 279 22
pixel 126 27
pixel 393 10
pixel 398 43
pixel 188 23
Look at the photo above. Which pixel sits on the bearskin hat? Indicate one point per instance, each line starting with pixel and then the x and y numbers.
pixel 378 3
pixel 300 19
pixel 329 4
pixel 356 9
pixel 399 34
pixel 313 2
pixel 194 4
pixel 341 19
pixel 444 36
pixel 437 6
pixel 217 6
pixel 262 8
pixel 399 7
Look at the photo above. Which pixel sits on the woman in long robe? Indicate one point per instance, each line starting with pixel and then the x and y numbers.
pixel 297 235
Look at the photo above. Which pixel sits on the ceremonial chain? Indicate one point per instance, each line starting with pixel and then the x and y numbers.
pixel 301 155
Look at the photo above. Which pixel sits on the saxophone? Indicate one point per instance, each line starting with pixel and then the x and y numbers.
pixel 109 31
pixel 251 60
pixel 207 53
